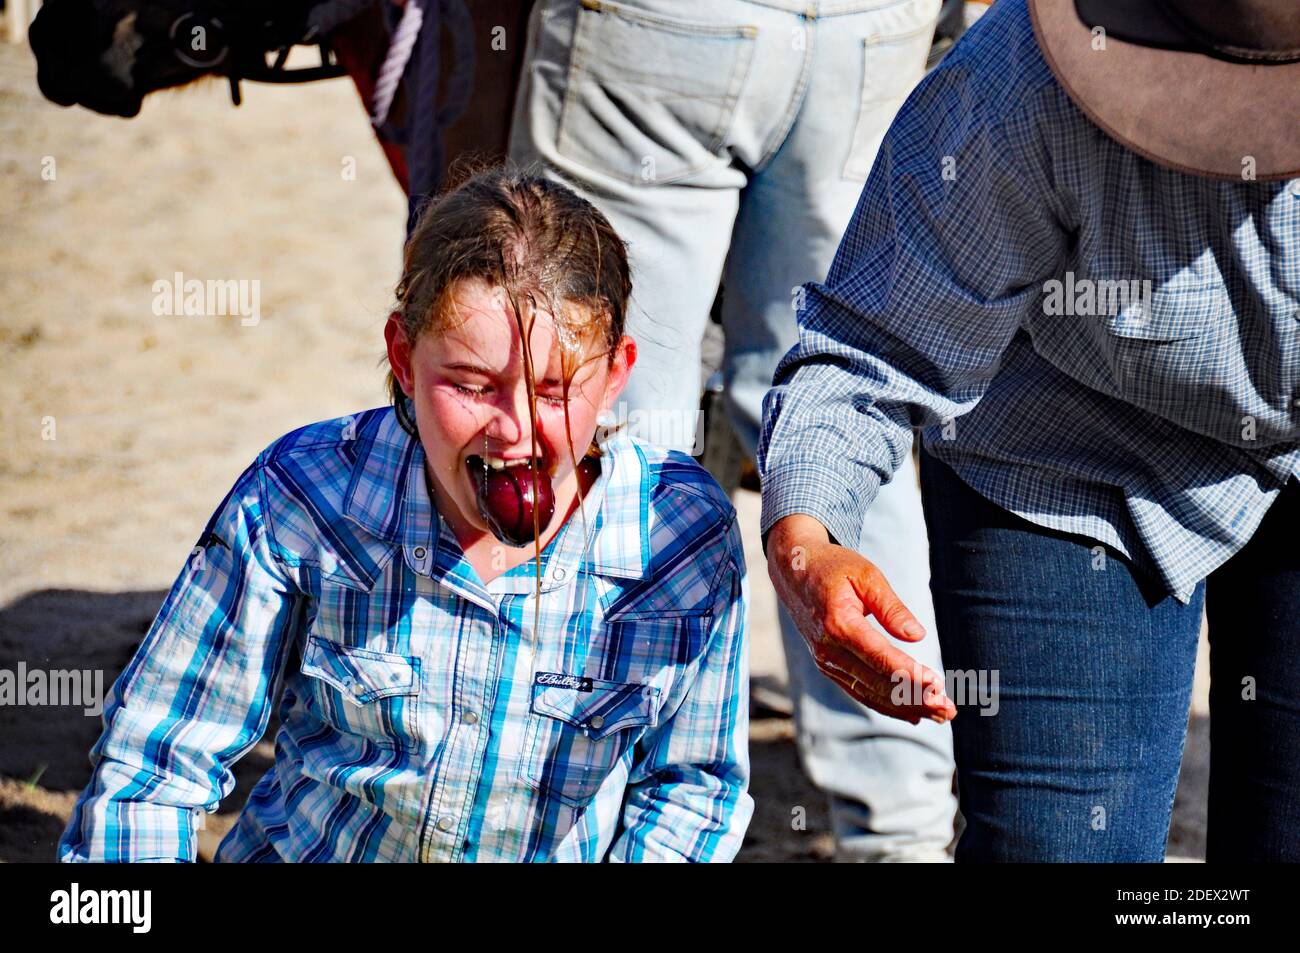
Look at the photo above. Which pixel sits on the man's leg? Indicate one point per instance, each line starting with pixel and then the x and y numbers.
pixel 1253 604
pixel 1077 757
pixel 889 782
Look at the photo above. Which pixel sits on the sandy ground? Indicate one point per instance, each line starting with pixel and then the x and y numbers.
pixel 120 429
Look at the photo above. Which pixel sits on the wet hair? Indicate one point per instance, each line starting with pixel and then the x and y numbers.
pixel 544 245
pixel 540 242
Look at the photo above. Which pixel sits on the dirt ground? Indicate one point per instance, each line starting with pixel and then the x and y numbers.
pixel 120 429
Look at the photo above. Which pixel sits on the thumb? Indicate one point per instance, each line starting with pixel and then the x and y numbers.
pixel 880 601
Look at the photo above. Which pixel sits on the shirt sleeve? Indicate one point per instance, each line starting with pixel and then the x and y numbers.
pixel 954 233
pixel 195 697
pixel 688 793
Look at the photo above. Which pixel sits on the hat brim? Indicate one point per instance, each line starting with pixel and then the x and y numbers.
pixel 1183 110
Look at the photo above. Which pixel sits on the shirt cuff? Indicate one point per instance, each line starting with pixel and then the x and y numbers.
pixel 822 493
pixel 119 831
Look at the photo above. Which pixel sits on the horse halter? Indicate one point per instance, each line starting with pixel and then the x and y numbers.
pixel 233 39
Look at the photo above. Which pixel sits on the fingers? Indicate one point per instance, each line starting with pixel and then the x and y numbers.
pixel 864 695
pixel 879 675
pixel 882 602
pixel 828 589
pixel 902 698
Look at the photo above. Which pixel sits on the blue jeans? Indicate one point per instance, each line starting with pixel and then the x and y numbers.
pixel 728 140
pixel 1095 663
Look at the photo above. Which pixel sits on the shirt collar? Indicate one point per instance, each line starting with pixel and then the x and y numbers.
pixel 622 544
pixel 616 540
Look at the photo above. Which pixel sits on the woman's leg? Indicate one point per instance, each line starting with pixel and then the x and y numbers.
pixel 1077 757
pixel 1253 603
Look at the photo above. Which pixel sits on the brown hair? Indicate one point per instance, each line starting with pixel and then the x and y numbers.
pixel 539 241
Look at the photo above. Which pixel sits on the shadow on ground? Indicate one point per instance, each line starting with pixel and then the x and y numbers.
pixel 44 760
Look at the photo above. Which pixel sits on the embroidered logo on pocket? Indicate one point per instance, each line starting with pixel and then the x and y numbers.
pixel 578 733
pixel 558 680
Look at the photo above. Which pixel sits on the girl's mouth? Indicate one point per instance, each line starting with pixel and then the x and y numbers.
pixel 511 494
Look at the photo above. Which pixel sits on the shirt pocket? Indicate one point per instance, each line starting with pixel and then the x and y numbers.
pixel 363 692
pixel 894 52
pixel 1176 311
pixel 650 98
pixel 577 734
pixel 1165 347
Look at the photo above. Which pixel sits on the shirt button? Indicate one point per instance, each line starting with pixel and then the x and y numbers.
pixel 445 824
pixel 358 688
pixel 470 718
pixel 419 552
pixel 1295 188
pixel 597 722
pixel 559 574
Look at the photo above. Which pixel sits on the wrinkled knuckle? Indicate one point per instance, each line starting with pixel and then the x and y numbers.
pixel 832 624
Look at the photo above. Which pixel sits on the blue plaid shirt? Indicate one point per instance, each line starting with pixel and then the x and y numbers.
pixel 1162 423
pixel 422 717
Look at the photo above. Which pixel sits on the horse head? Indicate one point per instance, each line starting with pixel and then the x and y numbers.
pixel 107 55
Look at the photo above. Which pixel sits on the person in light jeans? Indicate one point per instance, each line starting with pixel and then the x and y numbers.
pixel 728 141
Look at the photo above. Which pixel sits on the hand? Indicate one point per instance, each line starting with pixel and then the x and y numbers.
pixel 829 591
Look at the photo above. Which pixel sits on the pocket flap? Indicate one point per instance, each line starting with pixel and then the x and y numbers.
pixel 1170 313
pixel 595 705
pixel 362 675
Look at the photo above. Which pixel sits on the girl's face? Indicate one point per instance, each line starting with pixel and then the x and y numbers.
pixel 471 396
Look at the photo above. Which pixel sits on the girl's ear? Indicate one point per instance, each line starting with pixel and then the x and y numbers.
pixel 620 368
pixel 399 353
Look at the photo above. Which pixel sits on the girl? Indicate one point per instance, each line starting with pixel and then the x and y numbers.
pixel 502 632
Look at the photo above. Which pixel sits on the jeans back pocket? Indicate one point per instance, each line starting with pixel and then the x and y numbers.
pixel 578 730
pixel 893 62
pixel 649 97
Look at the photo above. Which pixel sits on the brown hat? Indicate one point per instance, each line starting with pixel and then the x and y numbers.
pixel 1207 88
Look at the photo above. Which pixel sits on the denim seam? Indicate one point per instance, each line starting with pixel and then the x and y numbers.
pixel 864 104
pixel 684 27
pixel 846 8
pixel 796 99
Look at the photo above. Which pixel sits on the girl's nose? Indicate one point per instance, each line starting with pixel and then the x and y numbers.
pixel 511 424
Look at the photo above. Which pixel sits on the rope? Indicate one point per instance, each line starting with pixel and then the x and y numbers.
pixel 424 153
pixel 413 53
pixel 400 46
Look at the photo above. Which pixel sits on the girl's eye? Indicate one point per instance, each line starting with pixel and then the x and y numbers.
pixel 472 391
